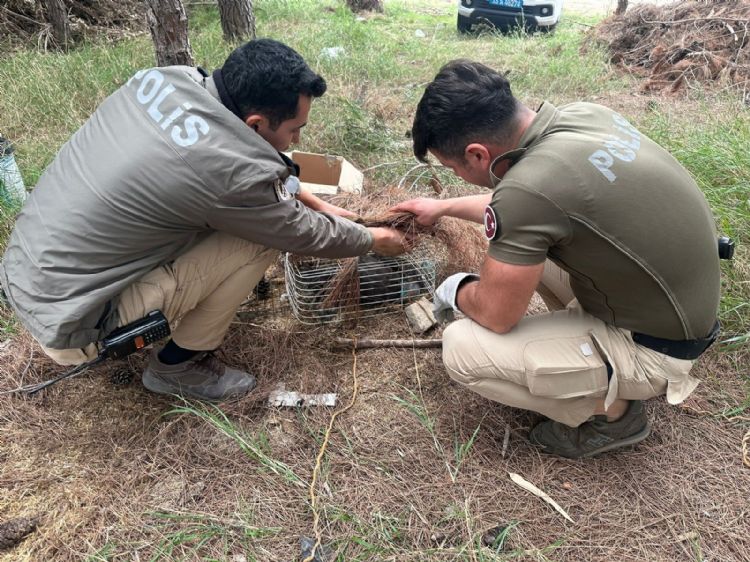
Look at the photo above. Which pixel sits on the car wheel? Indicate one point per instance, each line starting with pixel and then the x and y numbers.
pixel 463 24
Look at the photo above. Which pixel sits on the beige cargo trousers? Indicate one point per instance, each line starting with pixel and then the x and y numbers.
pixel 555 363
pixel 198 292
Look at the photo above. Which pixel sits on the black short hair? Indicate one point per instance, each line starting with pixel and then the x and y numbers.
pixel 466 102
pixel 267 77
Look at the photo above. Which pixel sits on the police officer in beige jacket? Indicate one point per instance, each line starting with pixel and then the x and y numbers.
pixel 175 196
pixel 607 226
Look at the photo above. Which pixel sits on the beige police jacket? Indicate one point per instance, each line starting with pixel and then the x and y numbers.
pixel 160 165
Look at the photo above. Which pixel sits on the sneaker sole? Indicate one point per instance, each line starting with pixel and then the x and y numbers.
pixel 155 385
pixel 632 440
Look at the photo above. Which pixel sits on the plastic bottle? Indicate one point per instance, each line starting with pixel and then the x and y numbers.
pixel 12 189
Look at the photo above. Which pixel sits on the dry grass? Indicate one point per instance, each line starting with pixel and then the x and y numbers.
pixel 107 470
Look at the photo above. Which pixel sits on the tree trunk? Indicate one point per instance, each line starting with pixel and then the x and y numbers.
pixel 622 5
pixel 365 5
pixel 169 30
pixel 57 17
pixel 237 19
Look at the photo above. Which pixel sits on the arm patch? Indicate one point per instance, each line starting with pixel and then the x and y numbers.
pixel 491 223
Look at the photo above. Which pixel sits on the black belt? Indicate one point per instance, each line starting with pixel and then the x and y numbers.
pixel 680 349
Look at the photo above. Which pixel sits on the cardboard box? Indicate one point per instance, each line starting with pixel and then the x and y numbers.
pixel 326 174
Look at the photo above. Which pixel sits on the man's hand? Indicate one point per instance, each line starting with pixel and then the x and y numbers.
pixel 428 211
pixel 444 303
pixel 389 241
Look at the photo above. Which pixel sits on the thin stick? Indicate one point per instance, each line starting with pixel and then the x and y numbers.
pixel 375 344
pixel 506 440
pixel 688 20
pixel 381 165
pixel 321 453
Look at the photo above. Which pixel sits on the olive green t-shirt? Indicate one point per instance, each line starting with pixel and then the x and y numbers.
pixel 619 214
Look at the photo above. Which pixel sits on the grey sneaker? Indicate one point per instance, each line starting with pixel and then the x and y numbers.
pixel 594 436
pixel 203 377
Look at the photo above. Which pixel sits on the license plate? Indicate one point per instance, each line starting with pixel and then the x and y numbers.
pixel 507 3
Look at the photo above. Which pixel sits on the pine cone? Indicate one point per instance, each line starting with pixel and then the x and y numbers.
pixel 12 532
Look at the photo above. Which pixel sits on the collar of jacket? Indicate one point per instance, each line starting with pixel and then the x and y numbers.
pixel 216 87
pixel 294 168
pixel 224 96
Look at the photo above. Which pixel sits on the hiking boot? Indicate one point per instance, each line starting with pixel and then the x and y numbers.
pixel 594 436
pixel 203 377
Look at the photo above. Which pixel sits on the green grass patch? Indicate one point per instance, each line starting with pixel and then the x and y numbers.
pixel 255 447
pixel 712 145
pixel 197 536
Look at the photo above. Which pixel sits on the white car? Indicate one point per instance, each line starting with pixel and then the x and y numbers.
pixel 541 15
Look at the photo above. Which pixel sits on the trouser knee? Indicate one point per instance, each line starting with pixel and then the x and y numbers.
pixel 454 346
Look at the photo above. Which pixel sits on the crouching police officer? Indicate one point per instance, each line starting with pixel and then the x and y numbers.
pixel 607 226
pixel 174 196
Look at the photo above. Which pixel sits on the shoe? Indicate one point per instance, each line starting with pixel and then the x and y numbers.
pixel 203 377
pixel 594 436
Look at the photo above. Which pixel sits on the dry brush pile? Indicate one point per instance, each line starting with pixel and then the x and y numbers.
pixel 682 44
pixel 25 20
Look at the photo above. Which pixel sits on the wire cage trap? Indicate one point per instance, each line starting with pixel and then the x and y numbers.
pixel 326 290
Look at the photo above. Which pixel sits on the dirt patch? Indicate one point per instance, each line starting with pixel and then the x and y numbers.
pixel 680 45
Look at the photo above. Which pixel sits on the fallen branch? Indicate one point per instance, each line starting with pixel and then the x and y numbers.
pixel 376 344
pixel 506 440
pixel 689 20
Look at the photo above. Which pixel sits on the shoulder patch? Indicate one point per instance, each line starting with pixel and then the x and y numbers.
pixel 491 224
pixel 281 193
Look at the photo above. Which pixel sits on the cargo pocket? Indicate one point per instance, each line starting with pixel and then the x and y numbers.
pixel 565 368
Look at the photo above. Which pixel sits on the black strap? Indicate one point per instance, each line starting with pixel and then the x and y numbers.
pixel 680 349
pixel 291 164
pixel 226 99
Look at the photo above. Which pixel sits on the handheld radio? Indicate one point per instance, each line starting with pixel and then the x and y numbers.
pixel 120 343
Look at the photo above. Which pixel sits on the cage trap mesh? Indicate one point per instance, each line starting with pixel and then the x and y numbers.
pixel 325 290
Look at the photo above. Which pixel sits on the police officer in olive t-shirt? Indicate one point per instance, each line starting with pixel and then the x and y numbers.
pixel 605 224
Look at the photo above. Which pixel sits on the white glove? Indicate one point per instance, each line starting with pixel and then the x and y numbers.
pixel 444 303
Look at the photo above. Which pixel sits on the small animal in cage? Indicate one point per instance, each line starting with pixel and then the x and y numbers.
pixel 334 290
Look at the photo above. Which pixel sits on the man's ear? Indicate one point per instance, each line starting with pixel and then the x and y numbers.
pixel 478 155
pixel 254 120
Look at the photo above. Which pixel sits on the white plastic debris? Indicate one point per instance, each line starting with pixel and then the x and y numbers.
pixel 292 399
pixel 360 18
pixel 526 485
pixel 419 33
pixel 332 52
